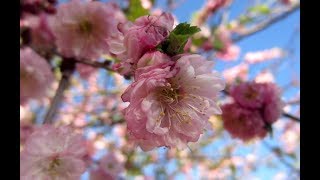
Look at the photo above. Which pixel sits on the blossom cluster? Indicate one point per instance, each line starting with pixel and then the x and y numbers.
pixel 255 108
pixel 171 97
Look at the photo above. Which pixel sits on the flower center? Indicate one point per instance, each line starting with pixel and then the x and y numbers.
pixel 53 166
pixel 251 94
pixel 85 27
pixel 169 95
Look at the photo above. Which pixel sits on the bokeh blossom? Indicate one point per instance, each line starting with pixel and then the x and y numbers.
pixel 35 75
pixel 53 153
pixel 255 108
pixel 82 29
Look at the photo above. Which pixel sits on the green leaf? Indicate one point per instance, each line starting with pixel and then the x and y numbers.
pixel 178 38
pixel 135 10
pixel 185 29
pixel 261 9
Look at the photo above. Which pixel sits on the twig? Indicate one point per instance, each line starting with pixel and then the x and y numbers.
pixel 104 65
pixel 267 23
pixel 277 151
pixel 291 117
pixel 67 69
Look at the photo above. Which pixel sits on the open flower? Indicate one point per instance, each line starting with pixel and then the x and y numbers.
pixel 35 75
pixel 53 153
pixel 82 29
pixel 170 104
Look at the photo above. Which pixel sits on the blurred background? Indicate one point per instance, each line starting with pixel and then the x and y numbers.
pixel 268 52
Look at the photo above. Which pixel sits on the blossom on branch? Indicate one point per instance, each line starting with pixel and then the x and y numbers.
pixel 171 103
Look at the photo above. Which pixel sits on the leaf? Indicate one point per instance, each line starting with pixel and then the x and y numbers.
pixel 261 9
pixel 185 29
pixel 135 10
pixel 178 38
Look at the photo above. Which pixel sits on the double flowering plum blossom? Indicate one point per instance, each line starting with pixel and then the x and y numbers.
pixel 35 75
pixel 256 106
pixel 82 29
pixel 170 104
pixel 53 153
pixel 138 38
pixel 243 123
pixel 42 38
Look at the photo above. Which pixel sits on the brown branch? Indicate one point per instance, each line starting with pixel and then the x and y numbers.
pixel 67 69
pixel 267 23
pixel 294 118
pixel 103 65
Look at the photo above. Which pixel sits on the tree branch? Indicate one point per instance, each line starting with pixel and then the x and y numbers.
pixel 294 118
pixel 67 69
pixel 103 65
pixel 267 23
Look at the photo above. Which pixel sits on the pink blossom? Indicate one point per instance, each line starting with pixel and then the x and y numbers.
pixel 273 103
pixel 243 123
pixel 288 2
pixel 25 131
pixel 138 38
pixel 290 137
pixel 237 72
pixel 264 77
pixel 53 153
pixel 82 29
pixel 112 164
pixel 99 174
pixel 35 75
pixel 151 60
pixel 170 104
pixel 42 37
pixel 261 56
pixel 228 51
pixel 210 8
pixel 261 97
pixel 249 95
pixel 229 54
